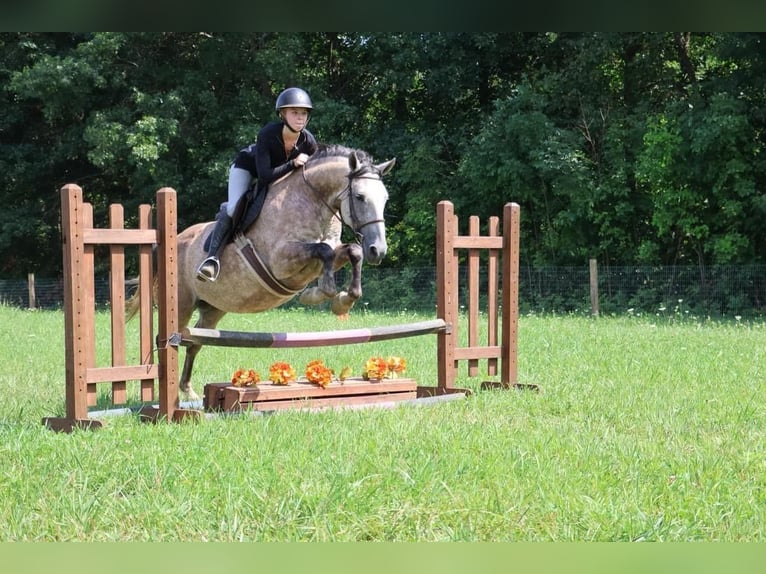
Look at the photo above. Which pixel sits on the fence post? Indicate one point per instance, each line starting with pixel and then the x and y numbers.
pixel 594 287
pixel 31 289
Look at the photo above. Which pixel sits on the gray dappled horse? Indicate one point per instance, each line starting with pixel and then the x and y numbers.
pixel 295 240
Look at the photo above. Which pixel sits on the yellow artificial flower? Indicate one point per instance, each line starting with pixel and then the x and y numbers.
pixel 375 368
pixel 281 373
pixel 345 373
pixel 396 365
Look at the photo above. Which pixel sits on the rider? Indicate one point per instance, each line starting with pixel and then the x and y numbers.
pixel 281 146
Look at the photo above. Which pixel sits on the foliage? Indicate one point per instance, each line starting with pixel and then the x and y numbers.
pixel 633 147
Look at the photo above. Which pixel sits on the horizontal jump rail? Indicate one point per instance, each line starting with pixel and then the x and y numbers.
pixel 196 336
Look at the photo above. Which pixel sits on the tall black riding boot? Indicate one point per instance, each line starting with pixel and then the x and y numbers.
pixel 209 269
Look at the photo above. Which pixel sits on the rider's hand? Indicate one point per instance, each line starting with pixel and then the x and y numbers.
pixel 300 160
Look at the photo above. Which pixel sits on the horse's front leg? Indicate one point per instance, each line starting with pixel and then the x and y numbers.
pixel 348 253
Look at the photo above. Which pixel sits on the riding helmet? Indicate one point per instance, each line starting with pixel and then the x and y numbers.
pixel 294 98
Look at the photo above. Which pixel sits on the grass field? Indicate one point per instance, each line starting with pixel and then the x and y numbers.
pixel 645 428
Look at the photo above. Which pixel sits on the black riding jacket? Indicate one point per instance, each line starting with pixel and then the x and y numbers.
pixel 266 159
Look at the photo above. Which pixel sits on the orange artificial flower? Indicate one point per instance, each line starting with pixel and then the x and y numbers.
pixel 281 373
pixel 317 372
pixel 396 365
pixel 245 378
pixel 375 368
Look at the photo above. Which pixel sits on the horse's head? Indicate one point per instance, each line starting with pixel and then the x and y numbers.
pixel 363 206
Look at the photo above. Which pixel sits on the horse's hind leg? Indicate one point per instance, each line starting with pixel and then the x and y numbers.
pixel 209 317
pixel 326 255
pixel 351 253
pixel 325 287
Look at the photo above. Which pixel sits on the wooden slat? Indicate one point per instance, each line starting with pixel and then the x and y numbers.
pixel 466 353
pixel 121 373
pixel 117 301
pixel 268 391
pixel 146 307
pixel 492 294
pixel 87 303
pixel 120 236
pixel 329 402
pixel 482 242
pixel 473 295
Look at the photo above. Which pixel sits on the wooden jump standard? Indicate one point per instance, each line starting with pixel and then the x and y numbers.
pixel 82 375
pixel 502 343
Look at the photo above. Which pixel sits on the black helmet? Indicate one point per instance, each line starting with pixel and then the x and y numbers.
pixel 294 98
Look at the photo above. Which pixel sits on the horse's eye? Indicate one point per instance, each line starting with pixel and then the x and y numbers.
pixel 359 197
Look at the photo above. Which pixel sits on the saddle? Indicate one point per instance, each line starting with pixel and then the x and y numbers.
pixel 247 211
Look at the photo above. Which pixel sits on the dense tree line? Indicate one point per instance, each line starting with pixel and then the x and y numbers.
pixel 642 148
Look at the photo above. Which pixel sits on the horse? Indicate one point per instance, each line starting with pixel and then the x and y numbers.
pixel 295 240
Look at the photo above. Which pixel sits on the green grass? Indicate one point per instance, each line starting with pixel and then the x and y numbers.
pixel 644 429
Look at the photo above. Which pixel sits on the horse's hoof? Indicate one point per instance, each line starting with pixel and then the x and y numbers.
pixel 341 304
pixel 191 395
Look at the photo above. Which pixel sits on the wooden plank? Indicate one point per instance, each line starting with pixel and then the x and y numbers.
pixel 87 303
pixel 121 373
pixel 117 300
pixel 478 242
pixel 466 353
pixel 492 294
pixel 328 402
pixel 473 295
pixel 212 396
pixel 268 391
pixel 67 425
pixel 146 307
pixel 120 236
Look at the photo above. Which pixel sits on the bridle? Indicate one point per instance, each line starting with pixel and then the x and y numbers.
pixel 365 172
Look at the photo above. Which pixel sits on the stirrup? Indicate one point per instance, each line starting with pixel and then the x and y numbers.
pixel 209 269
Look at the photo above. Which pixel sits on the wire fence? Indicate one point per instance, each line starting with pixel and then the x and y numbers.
pixel 717 291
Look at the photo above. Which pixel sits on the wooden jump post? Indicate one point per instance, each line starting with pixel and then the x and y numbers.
pixel 82 375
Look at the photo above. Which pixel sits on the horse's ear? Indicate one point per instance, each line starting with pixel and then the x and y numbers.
pixel 384 168
pixel 354 161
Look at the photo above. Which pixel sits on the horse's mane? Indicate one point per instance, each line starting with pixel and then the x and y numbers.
pixel 334 150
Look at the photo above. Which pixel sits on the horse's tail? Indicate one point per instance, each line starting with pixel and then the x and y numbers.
pixel 132 304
